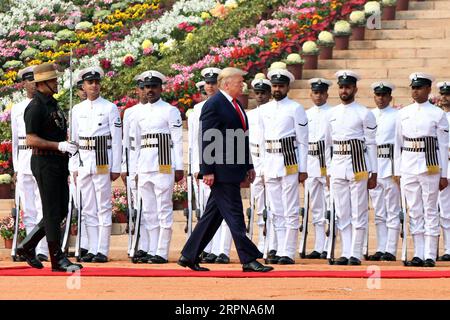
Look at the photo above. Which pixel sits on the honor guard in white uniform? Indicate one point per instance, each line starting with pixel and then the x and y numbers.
pixel 319 159
pixel 97 128
pixel 444 195
pixel 263 92
pixel 129 161
pixel 159 154
pixel 285 139
pixel 421 159
pixel 21 153
pixel 353 169
pixel 386 195
pixel 218 250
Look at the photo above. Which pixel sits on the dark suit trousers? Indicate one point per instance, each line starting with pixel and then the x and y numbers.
pixel 224 203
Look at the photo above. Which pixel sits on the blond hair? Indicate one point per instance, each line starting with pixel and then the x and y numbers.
pixel 227 73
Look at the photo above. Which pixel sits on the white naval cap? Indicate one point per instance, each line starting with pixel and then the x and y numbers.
pixel 210 74
pixel 26 73
pixel 382 87
pixel 347 77
pixel 320 84
pixel 77 79
pixel 91 73
pixel 419 79
pixel 152 77
pixel 444 87
pixel 280 76
pixel 200 84
pixel 261 84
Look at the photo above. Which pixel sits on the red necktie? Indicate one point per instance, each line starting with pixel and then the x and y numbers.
pixel 238 110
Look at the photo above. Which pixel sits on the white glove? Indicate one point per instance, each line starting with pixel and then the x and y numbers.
pixel 67 146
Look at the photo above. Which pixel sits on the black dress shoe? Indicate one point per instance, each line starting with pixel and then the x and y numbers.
pixel 272 254
pixel 100 258
pixel 184 262
pixel 210 258
pixel 255 266
pixel 223 259
pixel 158 260
pixel 65 265
pixel 376 257
pixel 445 257
pixel 30 256
pixel 42 257
pixel 415 262
pixel 429 263
pixel 272 260
pixel 88 257
pixel 388 257
pixel 286 260
pixel 323 255
pixel 83 252
pixel 354 261
pixel 313 255
pixel 342 261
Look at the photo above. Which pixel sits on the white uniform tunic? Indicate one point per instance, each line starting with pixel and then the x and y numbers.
pixel 444 208
pixel 420 187
pixel 93 119
pixel 283 119
pixel 155 188
pixel 347 122
pixel 222 240
pixel 26 183
pixel 316 183
pixel 386 195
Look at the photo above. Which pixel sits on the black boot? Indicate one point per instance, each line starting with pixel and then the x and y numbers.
pixel 27 247
pixel 59 261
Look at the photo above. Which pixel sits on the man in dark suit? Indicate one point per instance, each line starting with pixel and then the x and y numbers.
pixel 225 163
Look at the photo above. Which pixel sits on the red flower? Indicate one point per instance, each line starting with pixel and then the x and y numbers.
pixel 129 61
pixel 105 64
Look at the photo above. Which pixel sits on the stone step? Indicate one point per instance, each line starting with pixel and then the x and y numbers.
pixel 429 5
pixel 366 101
pixel 423 14
pixel 365 91
pixel 382 63
pixel 401 44
pixel 407 34
pixel 415 24
pixel 364 82
pixel 397 53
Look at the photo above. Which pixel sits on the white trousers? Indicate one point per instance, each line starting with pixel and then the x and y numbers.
pixel 143 235
pixel 222 240
pixel 317 204
pixel 421 192
pixel 31 206
pixel 351 203
pixel 96 210
pixel 444 212
pixel 283 193
pixel 386 204
pixel 156 189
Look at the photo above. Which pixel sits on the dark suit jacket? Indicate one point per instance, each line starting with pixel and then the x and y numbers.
pixel 233 161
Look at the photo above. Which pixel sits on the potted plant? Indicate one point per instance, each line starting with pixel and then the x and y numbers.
pixel 7 230
pixel 325 41
pixel 402 4
pixel 342 31
pixel 310 53
pixel 5 186
pixel 179 196
pixel 119 206
pixel 294 64
pixel 389 7
pixel 358 23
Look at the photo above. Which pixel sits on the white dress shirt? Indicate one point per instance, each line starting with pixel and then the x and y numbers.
pixel 281 119
pixel 158 117
pixel 128 133
pixel 386 120
pixel 347 122
pixel 91 119
pixel 415 121
pixel 317 124
pixel 255 134
pixel 194 136
pixel 21 158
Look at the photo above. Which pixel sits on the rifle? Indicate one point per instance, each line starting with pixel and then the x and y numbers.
pixel 332 231
pixel 304 212
pixel 72 212
pixel 188 211
pixel 136 235
pixel 15 213
pixel 366 238
pixel 404 232
pixel 250 213
pixel 131 210
pixel 78 240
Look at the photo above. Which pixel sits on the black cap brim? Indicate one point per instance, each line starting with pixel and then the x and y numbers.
pixel 421 82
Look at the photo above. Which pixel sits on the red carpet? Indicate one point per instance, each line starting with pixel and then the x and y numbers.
pixel 131 272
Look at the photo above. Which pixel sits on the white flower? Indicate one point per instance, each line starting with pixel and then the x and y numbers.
pixel 309 47
pixel 294 58
pixel 325 37
pixel 342 27
pixel 372 7
pixel 260 76
pixel 5 178
pixel 278 65
pixel 388 3
pixel 358 17
pixel 84 25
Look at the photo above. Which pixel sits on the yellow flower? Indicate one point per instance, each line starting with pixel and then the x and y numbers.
pixel 275 45
pixel 205 15
pixel 10 75
pixel 9 106
pixel 34 62
pixel 189 37
pixel 146 44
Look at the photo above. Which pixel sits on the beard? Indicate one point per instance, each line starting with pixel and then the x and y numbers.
pixel 277 95
pixel 346 98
